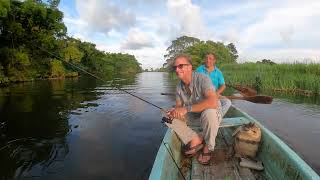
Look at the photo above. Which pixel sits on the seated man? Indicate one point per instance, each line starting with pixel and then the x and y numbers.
pixel 196 98
pixel 210 69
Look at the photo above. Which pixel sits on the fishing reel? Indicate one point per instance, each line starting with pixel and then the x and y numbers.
pixel 166 120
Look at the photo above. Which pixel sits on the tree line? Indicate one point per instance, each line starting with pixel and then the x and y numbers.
pixel 197 49
pixel 33 41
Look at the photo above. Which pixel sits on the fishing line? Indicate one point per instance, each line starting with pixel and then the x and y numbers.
pixel 171 155
pixel 164 119
pixel 97 77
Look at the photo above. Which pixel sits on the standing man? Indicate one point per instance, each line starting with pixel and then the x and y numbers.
pixel 210 69
pixel 196 102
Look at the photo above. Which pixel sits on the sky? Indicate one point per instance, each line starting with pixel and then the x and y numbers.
pixel 284 31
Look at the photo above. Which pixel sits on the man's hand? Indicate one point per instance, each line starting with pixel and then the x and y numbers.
pixel 177 113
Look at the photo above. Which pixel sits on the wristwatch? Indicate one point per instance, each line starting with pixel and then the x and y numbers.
pixel 189 108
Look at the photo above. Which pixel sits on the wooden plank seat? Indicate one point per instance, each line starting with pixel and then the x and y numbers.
pixel 226 122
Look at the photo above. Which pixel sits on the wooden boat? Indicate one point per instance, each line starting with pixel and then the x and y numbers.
pixel 279 160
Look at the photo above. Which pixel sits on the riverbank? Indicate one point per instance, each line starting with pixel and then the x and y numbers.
pixel 5 81
pixel 290 78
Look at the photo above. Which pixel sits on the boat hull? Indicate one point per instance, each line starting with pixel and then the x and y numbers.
pixel 280 161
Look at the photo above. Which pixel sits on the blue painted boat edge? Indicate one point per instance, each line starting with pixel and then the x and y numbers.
pixel 158 165
pixel 296 159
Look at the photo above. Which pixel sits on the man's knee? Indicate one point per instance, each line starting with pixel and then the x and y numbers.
pixel 210 115
pixel 225 102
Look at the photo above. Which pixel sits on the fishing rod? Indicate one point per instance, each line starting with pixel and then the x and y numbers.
pixel 99 78
pixel 164 119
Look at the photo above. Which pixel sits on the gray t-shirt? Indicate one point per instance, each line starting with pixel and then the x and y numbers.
pixel 199 85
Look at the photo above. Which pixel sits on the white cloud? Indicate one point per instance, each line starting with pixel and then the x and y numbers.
pixel 112 48
pixel 284 55
pixel 104 16
pixel 150 57
pixel 145 2
pixel 189 19
pixel 137 39
pixel 291 28
pixel 286 30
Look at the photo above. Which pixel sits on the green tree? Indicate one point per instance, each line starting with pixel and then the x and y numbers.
pixel 33 35
pixel 4 8
pixel 266 61
pixel 54 3
pixel 56 68
pixel 199 50
pixel 233 50
pixel 178 46
pixel 71 53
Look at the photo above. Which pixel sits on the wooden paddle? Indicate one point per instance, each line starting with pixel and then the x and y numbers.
pixel 255 99
pixel 244 90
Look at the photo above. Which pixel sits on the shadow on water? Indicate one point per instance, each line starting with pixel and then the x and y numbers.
pixel 34 124
pixel 81 128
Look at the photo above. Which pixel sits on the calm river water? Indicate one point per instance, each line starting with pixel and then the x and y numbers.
pixel 85 129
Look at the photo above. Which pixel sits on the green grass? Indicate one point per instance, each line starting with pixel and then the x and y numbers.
pixel 279 76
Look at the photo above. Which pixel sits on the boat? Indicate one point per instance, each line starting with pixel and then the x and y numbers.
pixel 278 159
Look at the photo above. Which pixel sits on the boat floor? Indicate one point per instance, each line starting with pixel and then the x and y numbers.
pixel 223 165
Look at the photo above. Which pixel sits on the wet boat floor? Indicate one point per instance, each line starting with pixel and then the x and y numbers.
pixel 223 165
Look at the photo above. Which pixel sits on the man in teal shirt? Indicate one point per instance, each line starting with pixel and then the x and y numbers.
pixel 217 79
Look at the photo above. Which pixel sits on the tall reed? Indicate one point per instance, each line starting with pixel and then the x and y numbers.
pixel 278 76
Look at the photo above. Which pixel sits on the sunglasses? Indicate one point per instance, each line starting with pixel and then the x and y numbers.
pixel 180 66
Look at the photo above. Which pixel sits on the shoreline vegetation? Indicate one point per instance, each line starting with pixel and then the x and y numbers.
pixel 34 41
pixel 264 75
pixel 297 78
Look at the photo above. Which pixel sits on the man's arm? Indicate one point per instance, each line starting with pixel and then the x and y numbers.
pixel 210 102
pixel 178 103
pixel 221 89
pixel 222 83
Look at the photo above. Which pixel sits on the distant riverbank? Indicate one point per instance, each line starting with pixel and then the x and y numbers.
pixel 5 81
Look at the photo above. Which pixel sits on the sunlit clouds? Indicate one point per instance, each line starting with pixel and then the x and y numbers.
pixel 284 31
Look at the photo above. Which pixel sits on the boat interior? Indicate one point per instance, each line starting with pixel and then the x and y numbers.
pixel 278 160
pixel 224 164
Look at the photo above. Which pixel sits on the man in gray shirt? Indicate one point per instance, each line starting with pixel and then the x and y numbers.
pixel 196 102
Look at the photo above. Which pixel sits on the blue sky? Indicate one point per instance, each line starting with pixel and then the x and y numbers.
pixel 284 31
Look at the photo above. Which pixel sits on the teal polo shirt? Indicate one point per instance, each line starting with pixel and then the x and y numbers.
pixel 215 76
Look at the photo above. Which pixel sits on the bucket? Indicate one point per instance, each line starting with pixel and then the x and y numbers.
pixel 247 140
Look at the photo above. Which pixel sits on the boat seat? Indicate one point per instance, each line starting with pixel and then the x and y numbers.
pixel 235 121
pixel 226 122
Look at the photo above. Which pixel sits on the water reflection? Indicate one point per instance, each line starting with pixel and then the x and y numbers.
pixel 82 128
pixel 297 99
pixel 34 124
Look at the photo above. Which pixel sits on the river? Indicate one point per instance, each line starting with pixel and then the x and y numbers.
pixel 85 129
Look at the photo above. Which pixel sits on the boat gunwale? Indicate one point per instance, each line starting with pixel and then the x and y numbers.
pixel 298 162
pixel 305 168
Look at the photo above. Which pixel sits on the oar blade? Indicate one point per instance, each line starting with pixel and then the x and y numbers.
pixel 260 99
pixel 245 90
